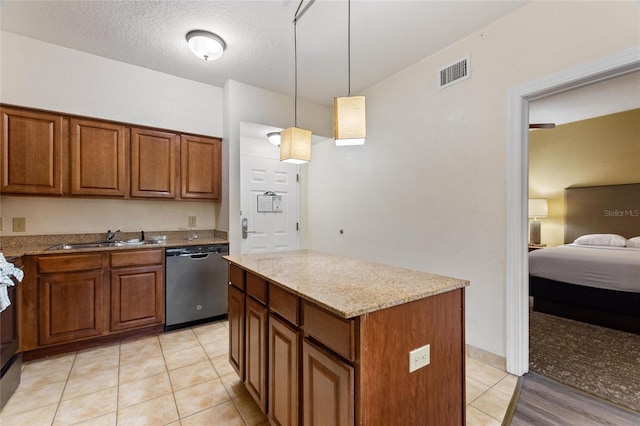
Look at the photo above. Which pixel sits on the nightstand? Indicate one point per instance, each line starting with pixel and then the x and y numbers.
pixel 533 247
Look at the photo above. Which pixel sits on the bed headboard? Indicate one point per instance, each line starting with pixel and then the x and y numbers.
pixel 607 209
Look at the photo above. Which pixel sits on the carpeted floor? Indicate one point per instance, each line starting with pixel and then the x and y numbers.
pixel 595 360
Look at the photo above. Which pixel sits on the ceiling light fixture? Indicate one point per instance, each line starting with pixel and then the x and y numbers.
pixel 206 45
pixel 274 138
pixel 349 116
pixel 295 143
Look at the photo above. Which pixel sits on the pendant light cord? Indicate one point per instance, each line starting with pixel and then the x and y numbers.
pixel 295 61
pixel 349 45
pixel 295 78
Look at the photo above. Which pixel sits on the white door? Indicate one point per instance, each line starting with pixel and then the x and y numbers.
pixel 269 231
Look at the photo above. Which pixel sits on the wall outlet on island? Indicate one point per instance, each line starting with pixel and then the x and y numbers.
pixel 419 358
pixel 192 221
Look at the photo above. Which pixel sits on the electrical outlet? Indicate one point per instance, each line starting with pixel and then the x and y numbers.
pixel 419 358
pixel 19 224
pixel 192 221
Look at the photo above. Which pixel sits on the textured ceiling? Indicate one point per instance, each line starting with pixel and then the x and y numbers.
pixel 387 36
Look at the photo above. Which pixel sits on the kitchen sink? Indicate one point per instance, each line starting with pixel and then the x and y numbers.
pixel 100 244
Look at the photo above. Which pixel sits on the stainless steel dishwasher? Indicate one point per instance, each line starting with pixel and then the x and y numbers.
pixel 196 285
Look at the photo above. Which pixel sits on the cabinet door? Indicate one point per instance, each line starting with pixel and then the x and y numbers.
pixel 283 373
pixel 97 158
pixel 236 330
pixel 69 306
pixel 32 145
pixel 200 172
pixel 137 297
pixel 327 388
pixel 153 163
pixel 255 378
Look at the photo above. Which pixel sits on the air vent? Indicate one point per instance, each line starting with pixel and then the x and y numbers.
pixel 455 72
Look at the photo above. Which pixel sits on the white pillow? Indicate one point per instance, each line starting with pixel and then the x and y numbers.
pixel 633 242
pixel 613 240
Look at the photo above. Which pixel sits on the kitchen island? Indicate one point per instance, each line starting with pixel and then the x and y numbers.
pixel 323 339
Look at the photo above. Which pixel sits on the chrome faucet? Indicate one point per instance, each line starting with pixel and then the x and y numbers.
pixel 112 235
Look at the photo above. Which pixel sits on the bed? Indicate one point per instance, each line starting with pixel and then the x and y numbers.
pixel 597 280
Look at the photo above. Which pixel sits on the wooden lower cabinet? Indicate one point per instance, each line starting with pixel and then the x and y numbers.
pixel 137 297
pixel 256 357
pixel 137 289
pixel 70 306
pixel 82 296
pixel 236 330
pixel 327 388
pixel 283 372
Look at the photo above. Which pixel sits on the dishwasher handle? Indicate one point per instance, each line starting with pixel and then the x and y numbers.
pixel 195 255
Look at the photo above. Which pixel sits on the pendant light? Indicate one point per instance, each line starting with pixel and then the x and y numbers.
pixel 349 116
pixel 295 143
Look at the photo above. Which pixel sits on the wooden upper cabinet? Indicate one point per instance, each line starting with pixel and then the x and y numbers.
pixel 153 163
pixel 97 158
pixel 200 160
pixel 32 152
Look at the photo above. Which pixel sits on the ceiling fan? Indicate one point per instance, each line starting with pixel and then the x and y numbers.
pixel 542 125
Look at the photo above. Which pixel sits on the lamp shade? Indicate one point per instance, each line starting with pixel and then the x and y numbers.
pixel 538 207
pixel 274 138
pixel 206 45
pixel 349 120
pixel 295 145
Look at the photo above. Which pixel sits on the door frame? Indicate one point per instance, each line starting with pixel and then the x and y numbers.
pixel 517 270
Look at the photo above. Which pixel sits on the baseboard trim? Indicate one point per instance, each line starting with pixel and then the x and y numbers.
pixel 487 357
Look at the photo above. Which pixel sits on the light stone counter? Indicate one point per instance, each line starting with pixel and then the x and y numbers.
pixel 345 286
pixel 40 244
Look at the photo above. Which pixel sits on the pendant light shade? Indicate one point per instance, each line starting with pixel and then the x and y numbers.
pixel 349 115
pixel 349 120
pixel 206 45
pixel 295 145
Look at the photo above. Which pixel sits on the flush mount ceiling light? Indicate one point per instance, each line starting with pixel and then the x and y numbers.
pixel 349 116
pixel 206 45
pixel 295 143
pixel 274 138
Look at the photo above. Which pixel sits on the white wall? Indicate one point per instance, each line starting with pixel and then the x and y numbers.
pixel 249 104
pixel 42 75
pixel 428 189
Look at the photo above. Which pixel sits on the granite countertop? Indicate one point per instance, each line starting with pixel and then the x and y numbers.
pixel 40 244
pixel 345 286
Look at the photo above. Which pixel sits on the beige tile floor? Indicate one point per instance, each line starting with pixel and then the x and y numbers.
pixel 178 378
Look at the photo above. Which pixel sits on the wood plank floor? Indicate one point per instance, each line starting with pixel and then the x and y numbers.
pixel 541 401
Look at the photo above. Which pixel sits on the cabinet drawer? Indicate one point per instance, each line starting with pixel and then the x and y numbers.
pixel 284 303
pixel 136 258
pixel 256 287
pixel 336 333
pixel 69 263
pixel 236 276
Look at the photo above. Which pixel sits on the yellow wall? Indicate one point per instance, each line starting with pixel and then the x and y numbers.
pixel 599 151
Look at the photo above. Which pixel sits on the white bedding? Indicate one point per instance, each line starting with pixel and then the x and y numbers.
pixel 613 268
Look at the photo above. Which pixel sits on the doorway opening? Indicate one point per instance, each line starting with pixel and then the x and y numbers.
pixel 517 293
